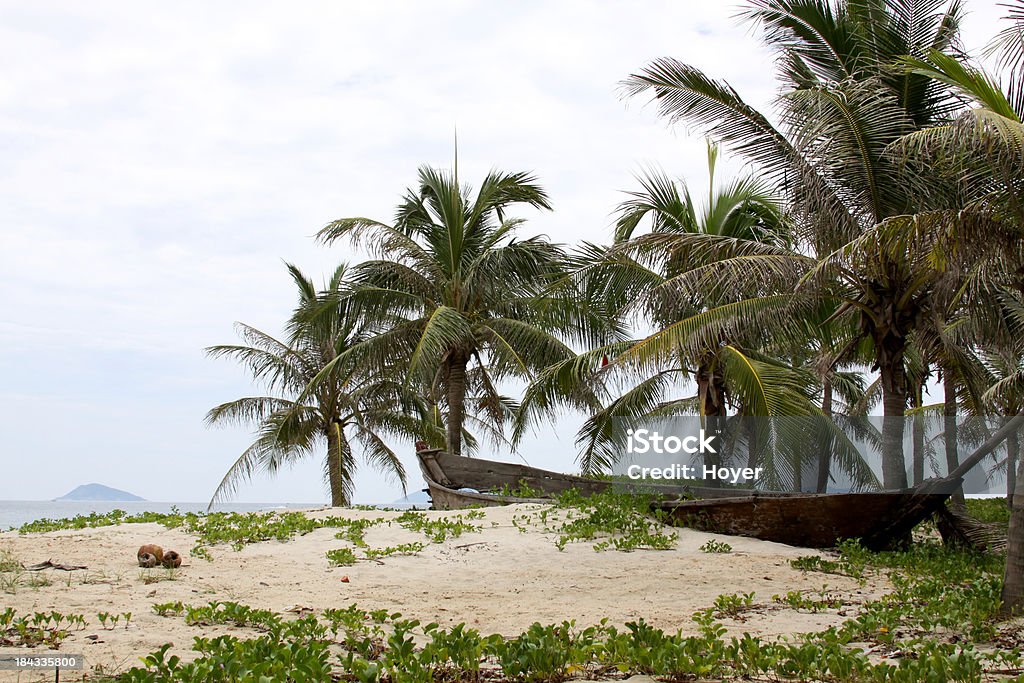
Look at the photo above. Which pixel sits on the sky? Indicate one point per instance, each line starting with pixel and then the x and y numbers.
pixel 160 163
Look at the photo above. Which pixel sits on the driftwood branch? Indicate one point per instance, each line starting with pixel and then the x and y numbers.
pixel 50 564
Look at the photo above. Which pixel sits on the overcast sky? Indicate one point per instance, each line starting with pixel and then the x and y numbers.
pixel 158 163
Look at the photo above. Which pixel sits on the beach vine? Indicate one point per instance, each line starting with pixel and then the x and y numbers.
pixel 937 624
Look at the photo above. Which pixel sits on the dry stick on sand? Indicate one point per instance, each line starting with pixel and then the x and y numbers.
pixel 50 564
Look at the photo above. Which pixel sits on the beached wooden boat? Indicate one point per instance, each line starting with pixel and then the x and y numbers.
pixel 455 482
pixel 810 520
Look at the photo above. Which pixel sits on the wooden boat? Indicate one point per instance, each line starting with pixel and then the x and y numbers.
pixel 814 520
pixel 810 520
pixel 455 482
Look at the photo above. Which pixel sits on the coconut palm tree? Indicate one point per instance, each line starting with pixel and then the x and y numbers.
pixel 457 298
pixel 634 279
pixel 1007 396
pixel 980 152
pixel 844 103
pixel 348 404
pixel 744 210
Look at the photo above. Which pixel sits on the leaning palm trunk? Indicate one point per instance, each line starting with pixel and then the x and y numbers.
pixel 1012 458
pixel 456 401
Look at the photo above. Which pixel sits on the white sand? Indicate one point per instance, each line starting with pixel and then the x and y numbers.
pixel 498 581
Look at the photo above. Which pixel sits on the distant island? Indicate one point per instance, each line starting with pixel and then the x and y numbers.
pixel 94 492
pixel 415 498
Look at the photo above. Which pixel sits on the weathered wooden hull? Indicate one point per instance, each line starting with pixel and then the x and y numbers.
pixel 449 476
pixel 811 520
pixel 800 519
pixel 445 498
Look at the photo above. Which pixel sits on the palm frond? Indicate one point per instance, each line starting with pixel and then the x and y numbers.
pixel 248 409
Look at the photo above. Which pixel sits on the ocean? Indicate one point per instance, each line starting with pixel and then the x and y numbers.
pixel 14 513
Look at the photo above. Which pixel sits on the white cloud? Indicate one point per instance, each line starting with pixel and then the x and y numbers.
pixel 158 162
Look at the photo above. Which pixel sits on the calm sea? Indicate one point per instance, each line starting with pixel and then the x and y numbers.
pixel 14 513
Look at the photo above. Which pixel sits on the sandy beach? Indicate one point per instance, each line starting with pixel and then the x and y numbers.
pixel 497 580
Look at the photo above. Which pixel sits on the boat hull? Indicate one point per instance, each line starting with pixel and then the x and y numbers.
pixel 448 476
pixel 878 520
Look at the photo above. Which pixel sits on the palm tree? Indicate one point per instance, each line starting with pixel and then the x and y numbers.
pixel 1007 395
pixel 744 210
pixel 635 279
pixel 980 153
pixel 347 404
pixel 457 299
pixel 976 226
pixel 844 103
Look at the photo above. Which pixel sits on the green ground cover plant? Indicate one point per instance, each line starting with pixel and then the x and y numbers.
pixel 939 618
pixel 617 521
pixel 240 529
pixel 169 608
pixel 801 600
pixel 441 529
pixel 48 629
pixel 98 519
pixel 713 546
pixel 342 557
pixel 400 549
pixel 434 531
pixel 8 561
pixel 939 615
pixel 991 510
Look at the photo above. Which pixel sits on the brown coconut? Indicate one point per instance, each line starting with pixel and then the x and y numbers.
pixel 171 559
pixel 150 555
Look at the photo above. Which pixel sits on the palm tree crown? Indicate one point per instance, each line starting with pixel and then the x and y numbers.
pixel 300 418
pixel 457 298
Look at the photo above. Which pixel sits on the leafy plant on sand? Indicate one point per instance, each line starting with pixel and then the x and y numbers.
pixel 801 601
pixel 39 628
pixel 713 546
pixel 341 557
pixel 436 530
pixel 101 519
pixel 991 510
pixel 621 521
pixel 400 549
pixel 9 562
pixel 163 609
pixel 942 600
pixel 441 529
